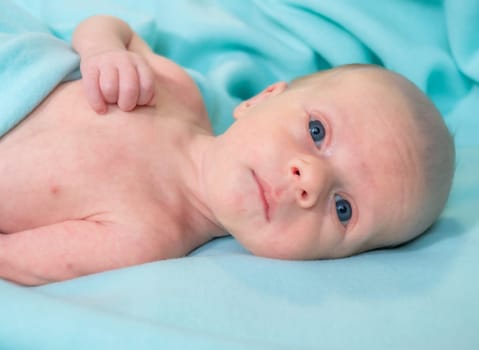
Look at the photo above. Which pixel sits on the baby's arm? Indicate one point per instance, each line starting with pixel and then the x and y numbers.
pixel 113 64
pixel 70 249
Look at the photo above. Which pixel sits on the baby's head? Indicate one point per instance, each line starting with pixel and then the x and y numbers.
pixel 333 164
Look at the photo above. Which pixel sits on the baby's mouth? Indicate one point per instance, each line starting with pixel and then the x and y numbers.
pixel 264 201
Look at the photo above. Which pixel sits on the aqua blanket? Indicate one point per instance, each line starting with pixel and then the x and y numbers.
pixel 423 295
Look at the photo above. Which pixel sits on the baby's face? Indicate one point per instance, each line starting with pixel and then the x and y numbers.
pixel 317 171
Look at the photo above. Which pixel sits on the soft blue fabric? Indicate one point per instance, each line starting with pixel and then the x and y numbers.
pixel 423 295
pixel 32 63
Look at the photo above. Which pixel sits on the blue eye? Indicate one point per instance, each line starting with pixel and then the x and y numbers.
pixel 317 131
pixel 343 209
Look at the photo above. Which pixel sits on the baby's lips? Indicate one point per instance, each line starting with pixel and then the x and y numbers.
pixel 265 194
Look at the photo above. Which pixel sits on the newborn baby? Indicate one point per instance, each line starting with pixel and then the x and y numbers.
pixel 333 164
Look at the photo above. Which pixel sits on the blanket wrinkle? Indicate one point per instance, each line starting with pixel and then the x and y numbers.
pixel 461 20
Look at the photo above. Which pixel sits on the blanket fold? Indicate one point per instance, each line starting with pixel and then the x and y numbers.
pixel 462 25
pixel 32 63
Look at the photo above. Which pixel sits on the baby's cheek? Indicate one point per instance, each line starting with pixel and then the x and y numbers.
pixel 319 236
pixel 292 239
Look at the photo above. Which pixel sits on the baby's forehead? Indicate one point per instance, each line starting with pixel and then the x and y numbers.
pixel 393 215
pixel 364 76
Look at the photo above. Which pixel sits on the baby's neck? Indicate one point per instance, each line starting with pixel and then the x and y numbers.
pixel 198 223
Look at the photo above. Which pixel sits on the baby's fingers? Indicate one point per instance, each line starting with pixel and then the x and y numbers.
pixel 147 85
pixel 108 82
pixel 92 90
pixel 129 88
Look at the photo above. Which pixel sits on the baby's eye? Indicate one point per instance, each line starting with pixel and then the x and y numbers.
pixel 317 131
pixel 343 209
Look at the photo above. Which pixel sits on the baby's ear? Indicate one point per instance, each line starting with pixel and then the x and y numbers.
pixel 270 91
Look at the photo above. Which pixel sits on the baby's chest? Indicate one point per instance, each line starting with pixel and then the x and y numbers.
pixel 72 174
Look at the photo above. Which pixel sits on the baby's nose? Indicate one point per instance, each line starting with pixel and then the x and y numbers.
pixel 312 179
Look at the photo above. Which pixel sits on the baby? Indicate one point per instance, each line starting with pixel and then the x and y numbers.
pixel 333 164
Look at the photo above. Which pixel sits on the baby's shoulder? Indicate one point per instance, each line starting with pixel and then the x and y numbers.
pixel 173 80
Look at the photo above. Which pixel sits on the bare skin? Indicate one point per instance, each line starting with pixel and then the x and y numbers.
pixel 88 193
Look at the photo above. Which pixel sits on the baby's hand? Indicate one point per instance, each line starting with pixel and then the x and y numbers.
pixel 117 77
